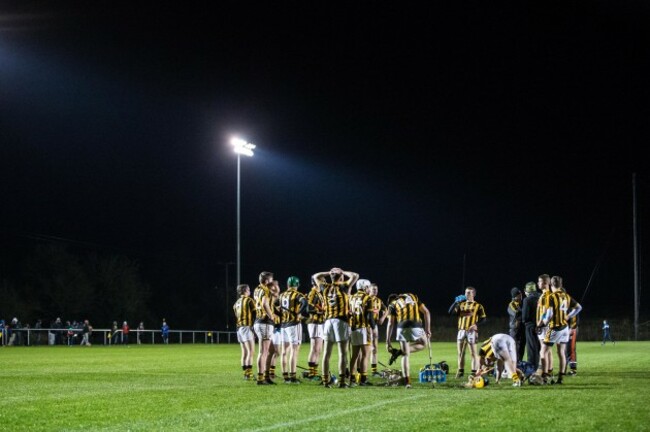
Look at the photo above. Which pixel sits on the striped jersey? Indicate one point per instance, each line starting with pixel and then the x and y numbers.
pixel 542 304
pixel 469 313
pixel 573 321
pixel 259 294
pixel 360 309
pixel 559 302
pixel 290 306
pixel 405 311
pixel 378 308
pixel 244 308
pixel 336 301
pixel 316 303
pixel 486 350
pixel 277 311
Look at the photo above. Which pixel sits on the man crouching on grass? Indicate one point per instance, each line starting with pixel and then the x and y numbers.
pixel 405 312
pixel 500 351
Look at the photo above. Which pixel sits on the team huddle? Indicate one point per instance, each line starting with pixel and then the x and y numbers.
pixel 337 317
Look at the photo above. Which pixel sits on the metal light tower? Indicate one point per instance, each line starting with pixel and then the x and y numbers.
pixel 245 148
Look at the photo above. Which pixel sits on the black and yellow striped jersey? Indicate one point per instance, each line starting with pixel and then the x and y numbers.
pixel 290 305
pixel 360 310
pixel 244 308
pixel 542 304
pixel 405 311
pixel 486 351
pixel 261 292
pixel 277 311
pixel 316 303
pixel 378 307
pixel 469 313
pixel 559 302
pixel 336 301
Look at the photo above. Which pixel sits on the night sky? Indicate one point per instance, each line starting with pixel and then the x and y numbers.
pixel 425 148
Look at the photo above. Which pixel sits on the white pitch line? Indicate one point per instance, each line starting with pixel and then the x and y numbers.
pixel 337 413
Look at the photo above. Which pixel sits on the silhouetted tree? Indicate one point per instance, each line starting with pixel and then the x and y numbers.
pixel 57 281
pixel 121 293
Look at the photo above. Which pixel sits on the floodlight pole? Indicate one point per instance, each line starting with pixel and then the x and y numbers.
pixel 241 148
pixel 238 219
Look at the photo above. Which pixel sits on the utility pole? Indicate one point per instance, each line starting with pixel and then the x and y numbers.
pixel 636 260
pixel 226 266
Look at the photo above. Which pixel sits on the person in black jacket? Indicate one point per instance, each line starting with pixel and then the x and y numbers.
pixel 528 317
pixel 57 327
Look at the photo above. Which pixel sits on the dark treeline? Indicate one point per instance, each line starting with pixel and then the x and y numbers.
pixel 49 279
pixel 52 281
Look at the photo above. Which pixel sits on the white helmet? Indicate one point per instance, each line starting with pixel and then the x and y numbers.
pixel 362 284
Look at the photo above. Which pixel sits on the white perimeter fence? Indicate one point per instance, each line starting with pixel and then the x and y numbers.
pixel 44 336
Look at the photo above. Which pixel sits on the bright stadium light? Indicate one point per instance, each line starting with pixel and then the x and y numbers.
pixel 245 148
pixel 242 147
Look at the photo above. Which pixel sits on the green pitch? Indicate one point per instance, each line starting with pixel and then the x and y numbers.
pixel 199 387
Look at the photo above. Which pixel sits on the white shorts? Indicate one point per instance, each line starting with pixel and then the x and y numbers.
pixel 263 331
pixel 566 335
pixel 556 336
pixel 541 334
pixel 466 334
pixel 409 334
pixel 315 331
pixel 292 334
pixel 503 344
pixel 360 337
pixel 277 337
pixel 245 334
pixel 336 330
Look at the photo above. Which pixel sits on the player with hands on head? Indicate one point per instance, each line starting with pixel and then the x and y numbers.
pixel 335 286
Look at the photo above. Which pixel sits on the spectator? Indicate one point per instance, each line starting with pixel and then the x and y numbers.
pixel 86 332
pixel 37 332
pixel 13 326
pixel 57 330
pixel 140 331
pixel 70 334
pixel 125 333
pixel 115 334
pixel 3 332
pixel 607 335
pixel 165 332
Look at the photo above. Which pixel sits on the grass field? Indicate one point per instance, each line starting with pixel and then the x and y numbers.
pixel 199 387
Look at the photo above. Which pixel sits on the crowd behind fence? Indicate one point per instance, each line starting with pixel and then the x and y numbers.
pixel 442 331
pixel 52 337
